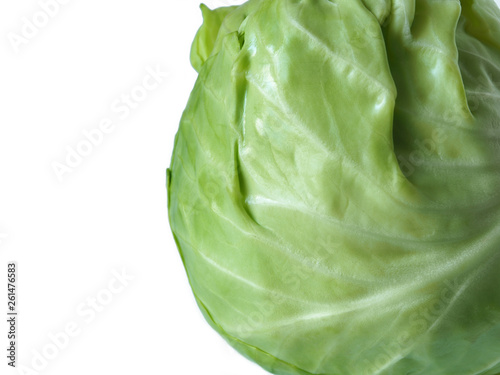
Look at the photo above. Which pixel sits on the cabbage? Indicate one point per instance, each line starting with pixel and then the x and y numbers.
pixel 334 189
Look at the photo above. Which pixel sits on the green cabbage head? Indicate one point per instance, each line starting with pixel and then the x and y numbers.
pixel 334 189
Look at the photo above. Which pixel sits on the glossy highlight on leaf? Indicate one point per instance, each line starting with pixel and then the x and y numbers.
pixel 334 189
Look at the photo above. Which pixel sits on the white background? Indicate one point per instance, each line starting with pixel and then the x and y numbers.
pixel 110 212
pixel 108 215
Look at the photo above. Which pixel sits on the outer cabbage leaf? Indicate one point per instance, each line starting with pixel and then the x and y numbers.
pixel 334 187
